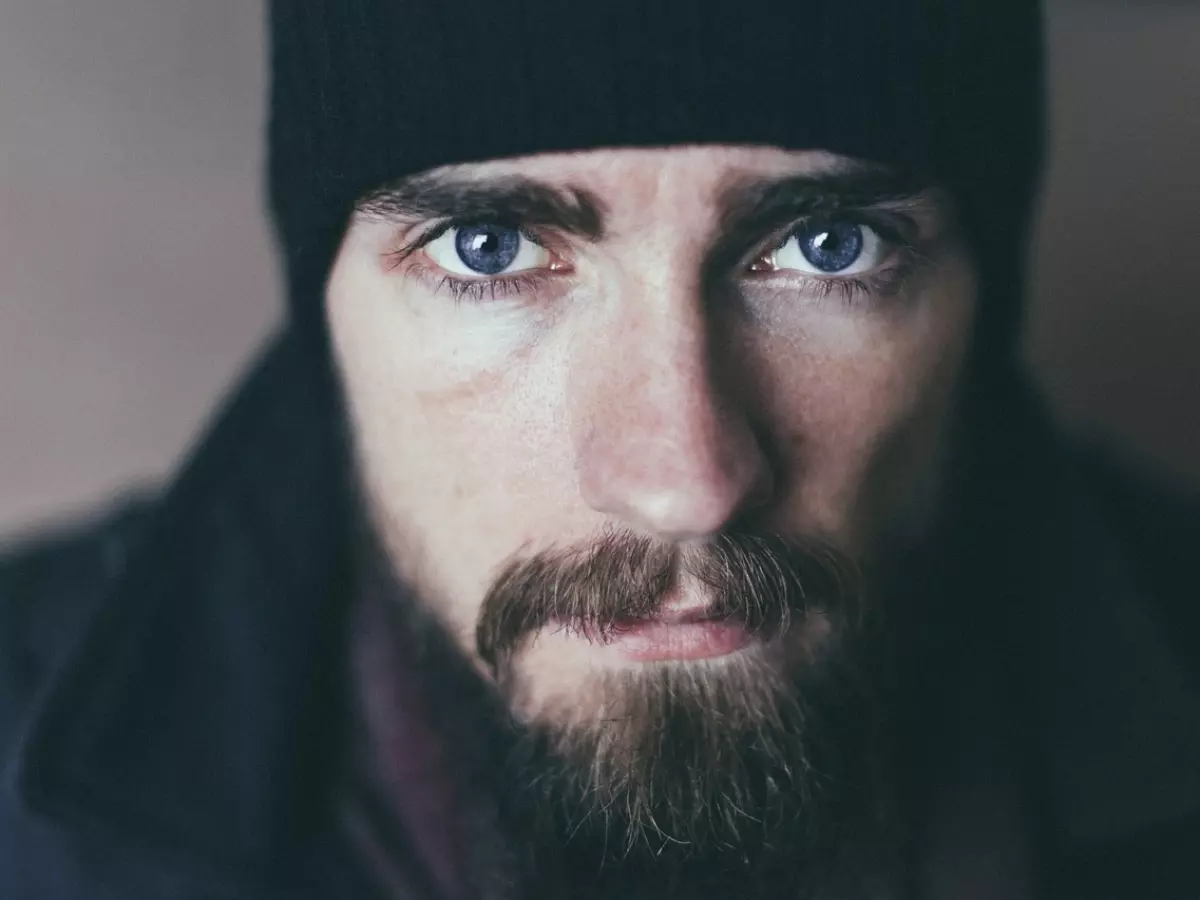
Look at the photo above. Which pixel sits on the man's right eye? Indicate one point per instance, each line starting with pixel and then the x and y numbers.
pixel 486 250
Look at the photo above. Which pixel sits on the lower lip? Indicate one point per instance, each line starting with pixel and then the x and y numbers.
pixel 656 641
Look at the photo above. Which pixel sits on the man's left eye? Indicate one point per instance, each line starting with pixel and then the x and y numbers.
pixel 830 248
pixel 486 250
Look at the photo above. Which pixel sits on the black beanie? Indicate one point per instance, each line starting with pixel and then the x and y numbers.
pixel 367 91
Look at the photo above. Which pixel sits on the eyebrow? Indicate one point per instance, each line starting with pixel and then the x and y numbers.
pixel 510 199
pixel 753 207
pixel 750 207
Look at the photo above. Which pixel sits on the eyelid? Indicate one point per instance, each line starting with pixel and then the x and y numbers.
pixel 897 231
pixel 398 255
pixel 903 259
pixel 484 290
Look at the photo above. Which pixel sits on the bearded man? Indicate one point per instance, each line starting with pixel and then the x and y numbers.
pixel 643 500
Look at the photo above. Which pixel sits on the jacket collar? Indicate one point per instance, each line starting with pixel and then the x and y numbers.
pixel 1120 708
pixel 186 717
pixel 181 719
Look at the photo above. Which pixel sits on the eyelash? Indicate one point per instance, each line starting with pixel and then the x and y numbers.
pixel 887 282
pixel 484 290
pixel 474 290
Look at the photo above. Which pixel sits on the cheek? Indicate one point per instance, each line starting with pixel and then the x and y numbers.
pixel 456 453
pixel 866 399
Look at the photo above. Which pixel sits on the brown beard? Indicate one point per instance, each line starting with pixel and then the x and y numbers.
pixel 688 758
pixel 765 772
pixel 764 581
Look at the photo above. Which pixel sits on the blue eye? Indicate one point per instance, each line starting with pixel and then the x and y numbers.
pixel 831 248
pixel 487 249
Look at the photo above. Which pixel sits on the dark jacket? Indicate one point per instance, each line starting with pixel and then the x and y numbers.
pixel 165 672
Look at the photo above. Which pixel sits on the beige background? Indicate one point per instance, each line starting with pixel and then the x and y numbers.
pixel 136 273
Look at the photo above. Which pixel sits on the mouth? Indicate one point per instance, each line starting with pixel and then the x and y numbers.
pixel 679 638
pixel 691 633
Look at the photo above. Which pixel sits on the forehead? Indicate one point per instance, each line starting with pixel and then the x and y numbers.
pixel 641 173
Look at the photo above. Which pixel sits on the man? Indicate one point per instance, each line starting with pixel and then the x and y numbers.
pixel 643 499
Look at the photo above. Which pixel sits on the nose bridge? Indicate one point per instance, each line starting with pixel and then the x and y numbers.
pixel 661 442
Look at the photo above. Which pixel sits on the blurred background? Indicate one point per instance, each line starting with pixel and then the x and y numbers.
pixel 137 275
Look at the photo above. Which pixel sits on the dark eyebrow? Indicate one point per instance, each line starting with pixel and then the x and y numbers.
pixel 766 200
pixel 752 208
pixel 510 199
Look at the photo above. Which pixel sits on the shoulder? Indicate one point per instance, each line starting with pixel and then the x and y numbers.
pixel 49 585
pixel 1161 514
pixel 1157 521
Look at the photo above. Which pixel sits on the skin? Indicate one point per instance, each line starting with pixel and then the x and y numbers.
pixel 634 386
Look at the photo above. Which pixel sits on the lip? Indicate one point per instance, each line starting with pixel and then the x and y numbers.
pixel 680 635
pixel 690 615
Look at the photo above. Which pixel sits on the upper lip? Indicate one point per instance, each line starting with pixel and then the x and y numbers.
pixel 688 616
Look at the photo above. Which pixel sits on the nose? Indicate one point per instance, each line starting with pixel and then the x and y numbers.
pixel 666 448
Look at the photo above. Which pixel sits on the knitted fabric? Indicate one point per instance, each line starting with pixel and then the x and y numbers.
pixel 367 91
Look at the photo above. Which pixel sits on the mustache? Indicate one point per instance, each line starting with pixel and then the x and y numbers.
pixel 765 581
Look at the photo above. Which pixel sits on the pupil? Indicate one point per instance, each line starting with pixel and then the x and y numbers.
pixel 827 243
pixel 832 248
pixel 487 249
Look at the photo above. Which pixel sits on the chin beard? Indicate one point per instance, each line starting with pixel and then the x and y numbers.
pixel 707 770
pixel 727 779
pixel 763 773
pixel 726 776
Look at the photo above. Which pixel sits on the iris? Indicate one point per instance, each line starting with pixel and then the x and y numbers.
pixel 832 247
pixel 487 249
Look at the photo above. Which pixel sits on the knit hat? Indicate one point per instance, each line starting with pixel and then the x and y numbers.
pixel 367 91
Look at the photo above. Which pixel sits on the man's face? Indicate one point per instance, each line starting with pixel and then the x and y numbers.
pixel 578 359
